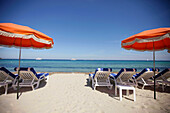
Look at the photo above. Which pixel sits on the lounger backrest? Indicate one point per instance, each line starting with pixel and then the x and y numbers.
pixel 146 75
pixel 125 76
pixel 26 69
pixel 102 75
pixel 2 76
pixel 6 75
pixel 126 73
pixel 165 74
pixel 27 75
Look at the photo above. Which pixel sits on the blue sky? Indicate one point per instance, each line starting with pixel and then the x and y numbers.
pixel 86 29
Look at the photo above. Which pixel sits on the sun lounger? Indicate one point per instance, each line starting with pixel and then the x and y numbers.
pixel 123 77
pixel 101 78
pixel 162 78
pixel 30 77
pixel 6 78
pixel 144 77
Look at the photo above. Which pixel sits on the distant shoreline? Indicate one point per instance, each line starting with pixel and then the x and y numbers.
pixel 79 60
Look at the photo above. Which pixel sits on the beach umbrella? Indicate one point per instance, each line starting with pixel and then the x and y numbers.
pixel 149 40
pixel 13 35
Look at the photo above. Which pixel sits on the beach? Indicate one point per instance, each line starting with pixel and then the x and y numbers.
pixel 67 42
pixel 72 93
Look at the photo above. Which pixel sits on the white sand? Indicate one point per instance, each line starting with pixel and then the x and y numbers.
pixel 71 93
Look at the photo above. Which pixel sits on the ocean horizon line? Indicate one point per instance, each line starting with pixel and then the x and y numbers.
pixel 77 59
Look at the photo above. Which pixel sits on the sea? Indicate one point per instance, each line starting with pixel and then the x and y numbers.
pixel 50 65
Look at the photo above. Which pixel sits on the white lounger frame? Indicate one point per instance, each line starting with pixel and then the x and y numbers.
pixel 101 79
pixel 163 79
pixel 30 79
pixel 145 80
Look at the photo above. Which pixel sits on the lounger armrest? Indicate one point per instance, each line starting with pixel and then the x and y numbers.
pixel 92 78
pixel 8 81
pixel 152 78
pixel 15 80
pixel 114 80
pixel 42 76
pixel 134 80
pixel 133 77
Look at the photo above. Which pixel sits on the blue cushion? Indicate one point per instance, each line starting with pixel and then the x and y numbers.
pixel 113 75
pixel 40 74
pixel 162 72
pixel 106 69
pixel 8 72
pixel 91 75
pixel 103 69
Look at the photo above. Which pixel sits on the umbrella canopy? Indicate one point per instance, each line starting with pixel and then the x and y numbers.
pixel 149 40
pixel 13 35
pixel 145 40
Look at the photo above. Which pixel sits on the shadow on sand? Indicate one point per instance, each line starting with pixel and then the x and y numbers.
pixel 111 92
pixel 106 90
pixel 22 89
pixel 158 89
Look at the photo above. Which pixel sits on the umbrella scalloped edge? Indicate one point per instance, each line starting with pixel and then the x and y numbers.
pixel 146 40
pixel 3 33
pixel 10 46
pixel 32 36
pixel 145 49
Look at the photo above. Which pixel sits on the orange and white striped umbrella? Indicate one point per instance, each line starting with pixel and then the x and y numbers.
pixel 13 35
pixel 157 39
pixel 150 40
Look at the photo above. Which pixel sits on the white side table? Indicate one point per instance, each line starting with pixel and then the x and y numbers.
pixel 124 87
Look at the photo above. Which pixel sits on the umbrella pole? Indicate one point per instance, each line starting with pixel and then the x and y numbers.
pixel 18 74
pixel 154 70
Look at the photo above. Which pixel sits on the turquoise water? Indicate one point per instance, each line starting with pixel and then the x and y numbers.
pixel 80 65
